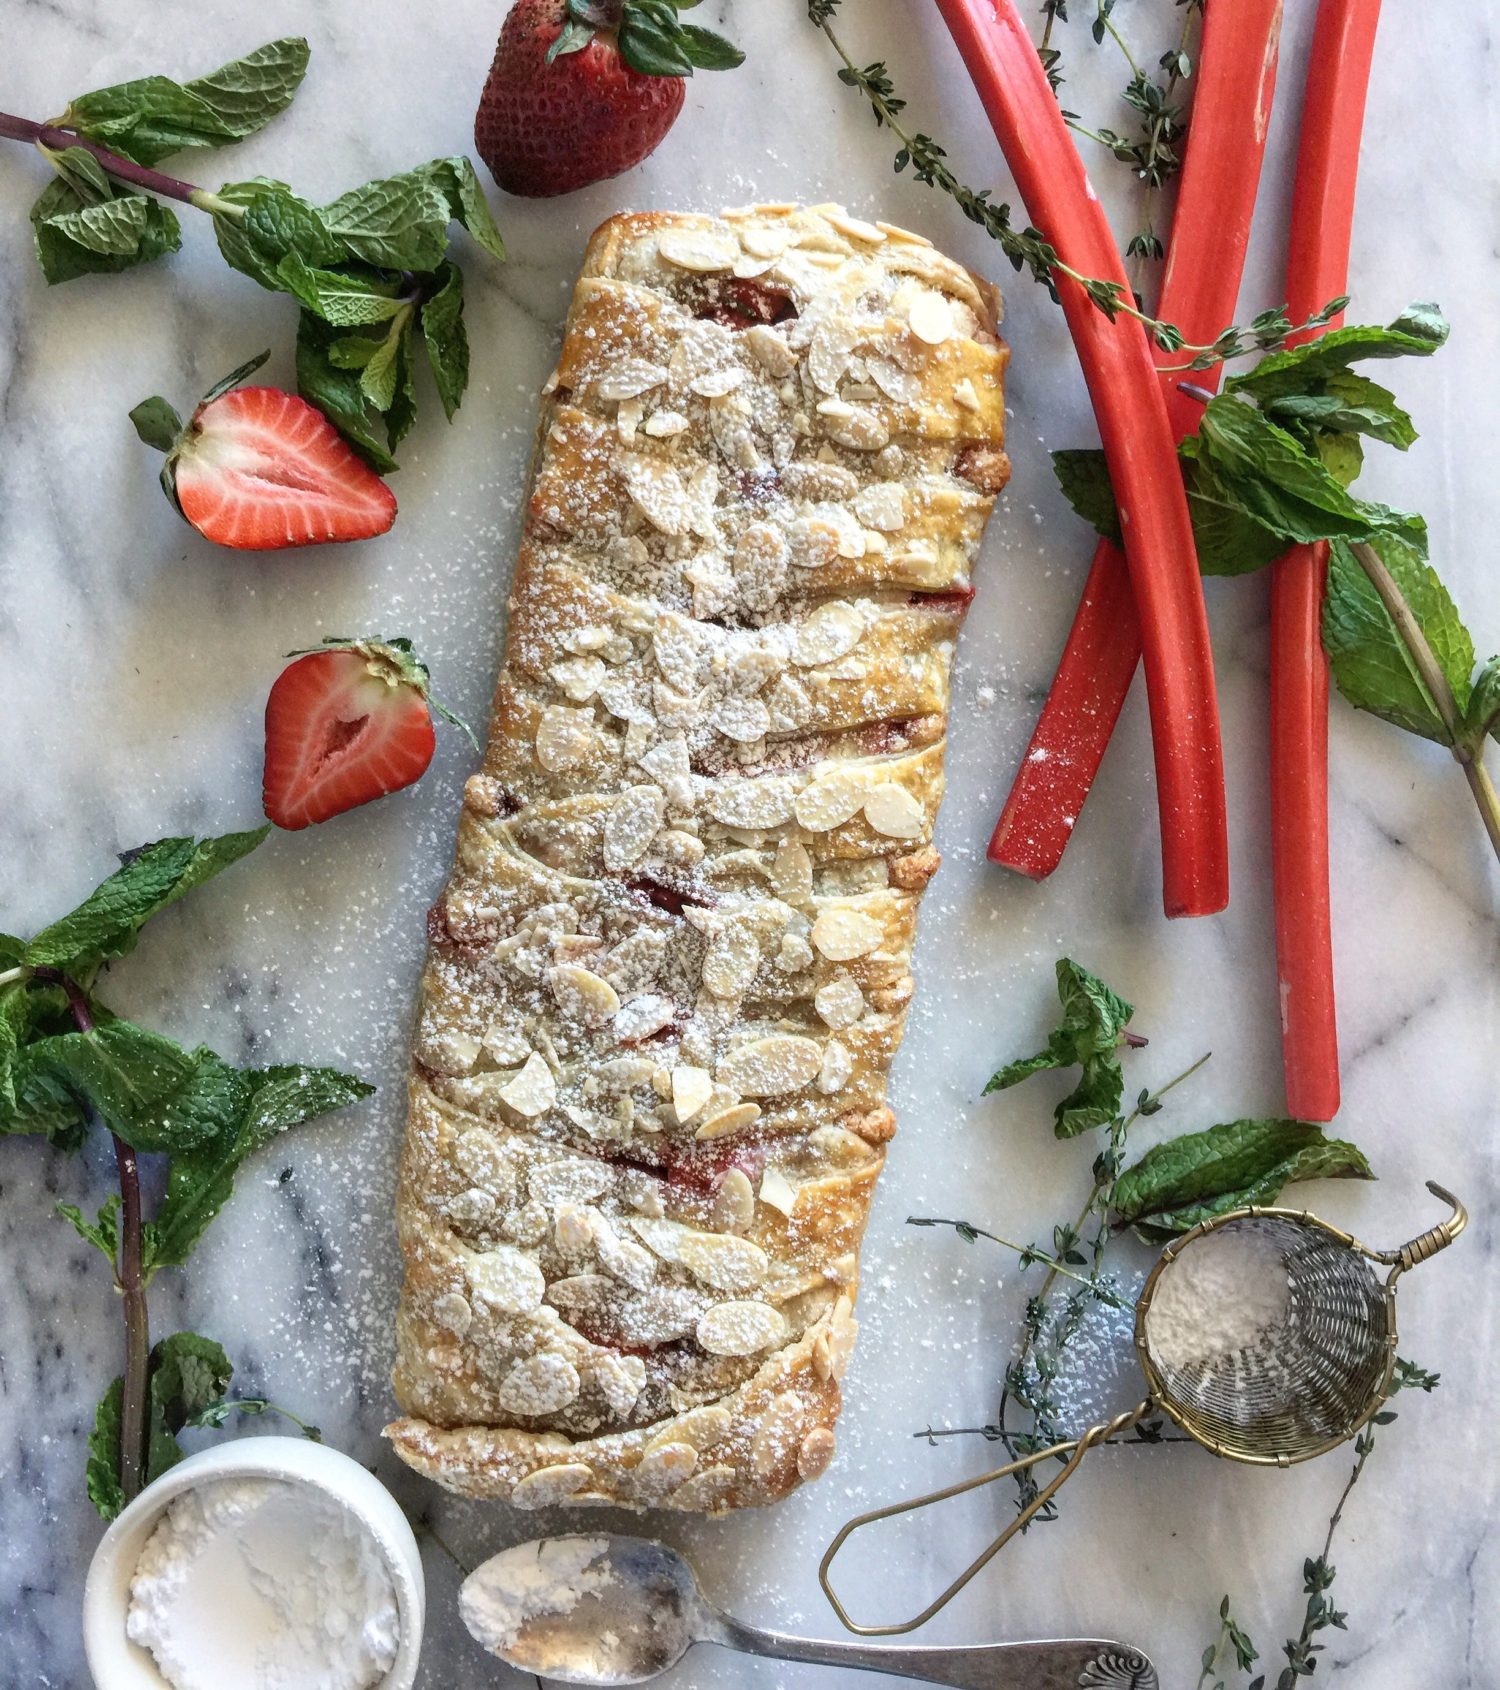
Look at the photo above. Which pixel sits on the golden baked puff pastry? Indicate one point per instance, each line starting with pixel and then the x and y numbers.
pixel 669 974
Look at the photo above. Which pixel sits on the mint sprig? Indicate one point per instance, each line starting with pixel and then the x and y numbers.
pixel 1092 1029
pixel 375 265
pixel 67 1061
pixel 1270 467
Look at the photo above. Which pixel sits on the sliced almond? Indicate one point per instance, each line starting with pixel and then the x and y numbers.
pixel 830 801
pixel 815 1452
pixel 691 1089
pixel 772 1066
pixel 828 354
pixel 582 994
pixel 716 383
pixel 762 242
pixel 842 934
pixel 549 1485
pixel 731 1120
pixel 701 250
pixel 539 1385
pixel 733 958
pixel 854 227
pixel 743 720
pixel 882 505
pixel 641 1017
pixel 629 379
pixel 506 1280
pixel 760 562
pixel 837 1067
pixel 763 802
pixel 930 318
pixel 854 426
pixel 665 1466
pixel 840 1002
pixel 791 872
pixel 740 1328
pixel 734 1202
pixel 832 629
pixel 664 425
pixel 533 1091
pixel 770 350
pixel 579 677
pixel 618 1379
pixel 892 810
pixel 563 737
pixel 633 822
pixel 965 396
pixel 722 1261
pixel 778 1191
pixel 659 492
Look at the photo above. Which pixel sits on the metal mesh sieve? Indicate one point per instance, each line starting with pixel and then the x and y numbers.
pixel 1312 1379
pixel 1299 1389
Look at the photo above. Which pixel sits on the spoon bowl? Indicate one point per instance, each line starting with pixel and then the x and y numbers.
pixel 605 1610
pixel 587 1610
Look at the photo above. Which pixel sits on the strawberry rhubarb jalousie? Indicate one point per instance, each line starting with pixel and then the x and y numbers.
pixel 670 971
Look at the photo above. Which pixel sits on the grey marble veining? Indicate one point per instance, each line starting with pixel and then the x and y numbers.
pixel 136 659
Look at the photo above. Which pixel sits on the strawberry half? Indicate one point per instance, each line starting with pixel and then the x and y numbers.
pixel 259 469
pixel 346 723
pixel 583 89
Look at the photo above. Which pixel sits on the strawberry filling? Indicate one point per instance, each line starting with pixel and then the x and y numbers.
pixel 741 303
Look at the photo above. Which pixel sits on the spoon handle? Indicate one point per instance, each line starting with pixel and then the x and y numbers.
pixel 1069 1664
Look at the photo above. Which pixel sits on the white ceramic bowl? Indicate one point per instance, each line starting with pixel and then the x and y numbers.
pixel 118 1664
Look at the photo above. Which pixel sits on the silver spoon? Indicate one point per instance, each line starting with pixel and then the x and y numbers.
pixel 606 1610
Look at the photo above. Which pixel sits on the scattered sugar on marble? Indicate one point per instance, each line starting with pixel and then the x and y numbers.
pixel 1227 1291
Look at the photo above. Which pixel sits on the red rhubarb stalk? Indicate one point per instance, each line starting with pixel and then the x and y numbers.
pixel 1317 269
pixel 1235 81
pixel 1138 445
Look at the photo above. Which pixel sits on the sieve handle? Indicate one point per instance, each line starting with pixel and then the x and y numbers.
pixel 1079 1447
pixel 1434 1239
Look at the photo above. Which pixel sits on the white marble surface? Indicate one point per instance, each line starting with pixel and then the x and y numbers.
pixel 136 658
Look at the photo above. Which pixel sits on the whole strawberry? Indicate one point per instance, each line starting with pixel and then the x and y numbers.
pixel 583 89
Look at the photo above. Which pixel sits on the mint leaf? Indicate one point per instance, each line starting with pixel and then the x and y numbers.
pixel 187 1375
pixel 1417 332
pixel 337 393
pixel 83 173
pixel 1093 1019
pixel 1084 478
pixel 277 223
pixel 107 922
pixel 143 1086
pixel 200 1181
pixel 398 223
pixel 466 202
pixel 151 117
pixel 347 300
pixel 75 238
pixel 1482 717
pixel 1273 480
pixel 1370 663
pixel 1185 1180
pixel 401 413
pixel 102 1473
pixel 1346 404
pixel 157 423
pixel 247 93
pixel 103 1232
pixel 706 50
pixel 382 369
pixel 446 338
pixel 1342 455
pixel 1228 541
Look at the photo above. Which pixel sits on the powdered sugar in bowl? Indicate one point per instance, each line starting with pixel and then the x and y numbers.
pixel 288 1542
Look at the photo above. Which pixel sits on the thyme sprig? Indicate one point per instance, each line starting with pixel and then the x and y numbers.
pixel 1027 249
pixel 1318 1571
